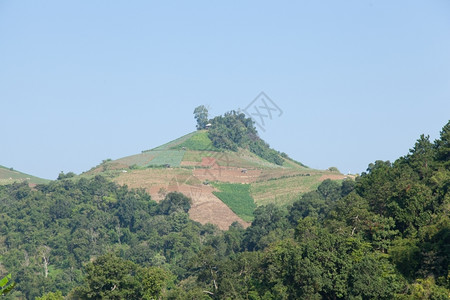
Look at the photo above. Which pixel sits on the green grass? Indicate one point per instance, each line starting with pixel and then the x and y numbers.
pixel 237 197
pixel 173 143
pixel 141 160
pixel 241 159
pixel 8 176
pixel 283 191
pixel 198 141
pixel 170 157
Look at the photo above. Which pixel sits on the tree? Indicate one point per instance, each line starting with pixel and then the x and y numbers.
pixel 62 176
pixel 153 281
pixel 201 115
pixel 5 288
pixel 174 202
pixel 110 277
pixel 52 296
pixel 443 145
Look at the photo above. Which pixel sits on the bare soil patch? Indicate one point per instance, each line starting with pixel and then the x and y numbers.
pixel 231 175
pixel 206 208
pixel 332 177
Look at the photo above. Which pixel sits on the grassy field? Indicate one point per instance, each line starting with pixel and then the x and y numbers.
pixel 174 143
pixel 283 191
pixel 241 159
pixel 198 141
pixel 237 197
pixel 141 160
pixel 170 157
pixel 8 176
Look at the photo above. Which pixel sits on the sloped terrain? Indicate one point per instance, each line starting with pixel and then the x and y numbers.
pixel 191 163
pixel 9 175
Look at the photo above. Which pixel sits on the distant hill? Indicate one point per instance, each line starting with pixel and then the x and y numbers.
pixel 9 175
pixel 191 164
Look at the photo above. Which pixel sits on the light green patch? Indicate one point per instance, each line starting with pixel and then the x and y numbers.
pixel 283 191
pixel 173 143
pixel 198 141
pixel 240 159
pixel 172 158
pixel 237 197
pixel 142 159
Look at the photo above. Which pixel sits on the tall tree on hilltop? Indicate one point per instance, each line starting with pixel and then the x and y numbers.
pixel 201 115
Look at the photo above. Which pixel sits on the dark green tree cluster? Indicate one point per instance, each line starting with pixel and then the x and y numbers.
pixel 48 233
pixel 384 236
pixel 234 130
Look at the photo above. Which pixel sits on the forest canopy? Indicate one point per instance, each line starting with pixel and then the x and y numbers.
pixel 385 235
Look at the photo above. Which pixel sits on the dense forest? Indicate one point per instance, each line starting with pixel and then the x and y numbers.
pixel 385 235
pixel 234 130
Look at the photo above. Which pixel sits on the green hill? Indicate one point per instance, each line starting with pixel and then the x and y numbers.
pixel 383 236
pixel 189 163
pixel 9 175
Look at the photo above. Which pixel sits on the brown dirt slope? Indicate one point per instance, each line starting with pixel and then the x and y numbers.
pixel 206 208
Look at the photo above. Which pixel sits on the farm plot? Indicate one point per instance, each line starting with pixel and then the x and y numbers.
pixel 199 141
pixel 172 144
pixel 172 158
pixel 141 160
pixel 283 191
pixel 237 197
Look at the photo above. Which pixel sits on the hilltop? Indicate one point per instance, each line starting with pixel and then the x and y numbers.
pixel 9 175
pixel 224 178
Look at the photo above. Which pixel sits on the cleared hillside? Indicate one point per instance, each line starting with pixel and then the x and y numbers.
pixel 9 175
pixel 191 163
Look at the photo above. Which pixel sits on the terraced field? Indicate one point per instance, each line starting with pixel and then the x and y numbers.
pixel 172 158
pixel 237 197
pixel 240 180
pixel 284 190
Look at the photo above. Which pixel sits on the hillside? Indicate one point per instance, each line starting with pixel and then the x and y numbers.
pixel 190 163
pixel 383 236
pixel 9 175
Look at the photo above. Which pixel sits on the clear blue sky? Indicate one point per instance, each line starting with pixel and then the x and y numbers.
pixel 82 81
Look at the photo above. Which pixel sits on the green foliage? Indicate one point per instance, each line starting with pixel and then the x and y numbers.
pixel 201 115
pixel 111 277
pixel 443 146
pixel 333 169
pixel 62 176
pixel 6 285
pixel 73 221
pixel 237 197
pixel 233 130
pixel 52 296
pixel 175 202
pixel 263 150
pixel 424 289
pixel 384 236
pixel 270 225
